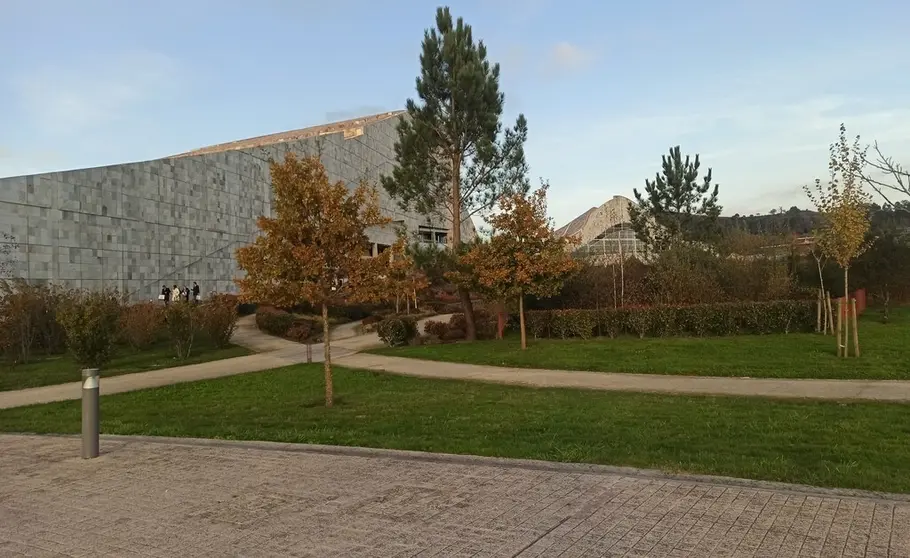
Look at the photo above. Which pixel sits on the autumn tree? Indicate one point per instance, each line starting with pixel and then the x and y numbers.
pixel 454 158
pixel 314 248
pixel 843 206
pixel 676 205
pixel 523 256
pixel 404 278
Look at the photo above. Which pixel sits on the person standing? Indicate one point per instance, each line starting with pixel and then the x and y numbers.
pixel 165 294
pixel 196 292
pixel 175 294
pixel 186 293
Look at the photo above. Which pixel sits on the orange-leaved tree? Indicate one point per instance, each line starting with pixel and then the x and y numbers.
pixel 523 256
pixel 844 208
pixel 315 247
pixel 404 279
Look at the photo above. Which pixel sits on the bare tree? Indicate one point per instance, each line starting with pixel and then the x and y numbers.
pixel 894 180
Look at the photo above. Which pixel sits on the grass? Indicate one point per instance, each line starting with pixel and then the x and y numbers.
pixel 884 353
pixel 59 369
pixel 853 445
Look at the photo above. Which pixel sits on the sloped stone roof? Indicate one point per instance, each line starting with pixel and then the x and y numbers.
pixel 595 221
pixel 293 135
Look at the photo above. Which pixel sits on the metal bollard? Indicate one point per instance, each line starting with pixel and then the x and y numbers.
pixel 91 427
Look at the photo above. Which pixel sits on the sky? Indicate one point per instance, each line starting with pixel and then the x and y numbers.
pixel 757 89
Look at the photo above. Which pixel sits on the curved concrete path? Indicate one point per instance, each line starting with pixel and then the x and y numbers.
pixel 870 390
pixel 272 352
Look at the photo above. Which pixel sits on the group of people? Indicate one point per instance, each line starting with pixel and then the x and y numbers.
pixel 179 293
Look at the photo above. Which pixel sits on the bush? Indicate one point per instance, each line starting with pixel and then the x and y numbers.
pixel 732 318
pixel 303 329
pixel 273 321
pixel 218 319
pixel 91 321
pixel 573 323
pixel 28 319
pixel 396 332
pixel 612 322
pixel 182 323
pixel 435 328
pixel 141 324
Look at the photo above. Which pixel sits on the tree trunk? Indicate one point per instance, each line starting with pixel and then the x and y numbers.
pixel 613 268
pixel 521 320
pixel 467 306
pixel 463 294
pixel 327 361
pixel 847 311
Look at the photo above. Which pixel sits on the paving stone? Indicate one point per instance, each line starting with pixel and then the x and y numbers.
pixel 155 499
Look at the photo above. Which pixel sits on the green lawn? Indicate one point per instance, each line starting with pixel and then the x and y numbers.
pixel 45 371
pixel 856 445
pixel 885 353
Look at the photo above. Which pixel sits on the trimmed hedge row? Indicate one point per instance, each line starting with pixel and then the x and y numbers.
pixel 735 318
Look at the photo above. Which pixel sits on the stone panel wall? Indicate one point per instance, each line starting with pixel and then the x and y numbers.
pixel 175 220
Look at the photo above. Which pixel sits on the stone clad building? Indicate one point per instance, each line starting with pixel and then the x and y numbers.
pixel 137 226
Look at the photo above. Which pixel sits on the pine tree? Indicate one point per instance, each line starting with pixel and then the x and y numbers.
pixel 675 206
pixel 454 158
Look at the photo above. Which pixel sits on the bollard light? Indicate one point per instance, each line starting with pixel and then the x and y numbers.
pixel 90 416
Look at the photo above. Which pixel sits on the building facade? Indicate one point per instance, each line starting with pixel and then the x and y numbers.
pixel 138 226
pixel 605 233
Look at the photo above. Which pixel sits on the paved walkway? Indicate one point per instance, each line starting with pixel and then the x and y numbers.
pixel 272 352
pixel 145 498
pixel 874 390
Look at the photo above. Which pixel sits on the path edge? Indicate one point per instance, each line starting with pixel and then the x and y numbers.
pixel 500 462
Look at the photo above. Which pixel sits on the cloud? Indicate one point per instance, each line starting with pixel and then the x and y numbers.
pixel 73 99
pixel 565 57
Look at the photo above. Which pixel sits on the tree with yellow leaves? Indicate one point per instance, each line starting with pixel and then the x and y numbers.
pixel 314 248
pixel 844 209
pixel 523 256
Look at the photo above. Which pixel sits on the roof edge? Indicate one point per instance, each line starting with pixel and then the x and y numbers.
pixel 293 135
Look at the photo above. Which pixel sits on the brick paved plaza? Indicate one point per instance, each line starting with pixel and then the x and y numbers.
pixel 144 498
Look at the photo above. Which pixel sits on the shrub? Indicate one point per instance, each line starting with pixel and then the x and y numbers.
pixel 781 316
pixel 141 324
pixel 639 321
pixel 454 335
pixel 182 323
pixel 612 322
pixel 694 321
pixel 28 319
pixel 396 332
pixel 537 323
pixel 438 329
pixel 91 320
pixel 273 321
pixel 218 319
pixel 573 323
pixel 303 329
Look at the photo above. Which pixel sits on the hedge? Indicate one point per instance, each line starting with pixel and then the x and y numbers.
pixel 273 321
pixel 735 318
